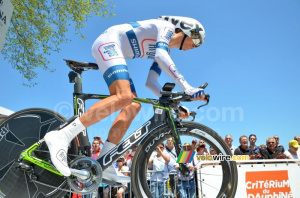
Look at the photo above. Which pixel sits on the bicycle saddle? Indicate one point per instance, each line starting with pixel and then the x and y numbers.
pixel 81 66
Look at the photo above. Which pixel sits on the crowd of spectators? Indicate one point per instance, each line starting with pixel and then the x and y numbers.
pixel 272 149
pixel 163 161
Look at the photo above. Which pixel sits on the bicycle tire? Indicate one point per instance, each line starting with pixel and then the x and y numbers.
pixel 191 129
pixel 19 131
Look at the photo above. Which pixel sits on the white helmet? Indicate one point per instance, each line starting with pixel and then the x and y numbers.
pixel 191 27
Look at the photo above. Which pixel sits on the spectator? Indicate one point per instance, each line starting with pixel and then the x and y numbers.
pixel 212 151
pixel 262 146
pixel 171 166
pixel 272 152
pixel 194 144
pixel 201 149
pixel 159 160
pixel 129 157
pixel 95 151
pixel 228 141
pixel 186 183
pixel 119 191
pixel 293 148
pixel 297 138
pixel 252 140
pixel 243 149
pixel 170 149
pixel 121 168
pixel 201 142
pixel 276 137
pixel 96 147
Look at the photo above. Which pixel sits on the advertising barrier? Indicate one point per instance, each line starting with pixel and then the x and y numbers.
pixel 257 179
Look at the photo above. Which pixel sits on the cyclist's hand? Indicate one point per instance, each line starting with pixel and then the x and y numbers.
pixel 184 112
pixel 196 93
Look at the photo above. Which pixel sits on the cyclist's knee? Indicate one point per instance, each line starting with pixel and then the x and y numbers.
pixel 125 98
pixel 136 107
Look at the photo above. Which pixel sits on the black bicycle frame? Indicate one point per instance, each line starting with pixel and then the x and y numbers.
pixel 162 115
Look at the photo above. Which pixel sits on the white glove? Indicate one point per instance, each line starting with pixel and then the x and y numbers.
pixel 195 93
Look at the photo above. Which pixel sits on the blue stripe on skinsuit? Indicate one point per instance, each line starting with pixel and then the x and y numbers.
pixel 134 24
pixel 156 68
pixel 132 87
pixel 134 43
pixel 117 72
pixel 162 45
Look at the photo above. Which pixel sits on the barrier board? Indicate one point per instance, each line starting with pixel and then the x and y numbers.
pixel 261 180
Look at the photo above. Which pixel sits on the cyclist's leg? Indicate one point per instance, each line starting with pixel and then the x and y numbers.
pixel 123 121
pixel 58 141
pixel 121 96
pixel 113 66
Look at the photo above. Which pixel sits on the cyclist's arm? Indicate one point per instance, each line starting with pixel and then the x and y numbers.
pixel 152 79
pixel 165 32
pixel 165 62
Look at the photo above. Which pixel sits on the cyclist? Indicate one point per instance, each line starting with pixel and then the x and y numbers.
pixel 142 39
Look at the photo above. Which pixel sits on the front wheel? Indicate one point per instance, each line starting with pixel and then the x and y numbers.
pixel 211 180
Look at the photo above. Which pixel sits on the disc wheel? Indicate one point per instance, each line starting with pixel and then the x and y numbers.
pixel 220 180
pixel 19 131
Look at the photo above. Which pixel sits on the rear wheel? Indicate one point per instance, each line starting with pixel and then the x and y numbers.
pixel 19 131
pixel 220 180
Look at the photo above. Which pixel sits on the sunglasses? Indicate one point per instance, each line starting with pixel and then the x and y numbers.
pixel 271 142
pixel 119 160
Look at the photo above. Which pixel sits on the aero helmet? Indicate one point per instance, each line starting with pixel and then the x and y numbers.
pixel 190 27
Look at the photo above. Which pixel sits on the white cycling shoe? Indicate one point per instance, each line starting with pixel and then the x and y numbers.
pixel 58 148
pixel 58 141
pixel 111 174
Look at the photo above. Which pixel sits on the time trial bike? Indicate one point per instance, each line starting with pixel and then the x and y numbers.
pixel 25 165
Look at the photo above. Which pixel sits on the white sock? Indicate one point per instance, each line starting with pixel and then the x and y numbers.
pixel 73 129
pixel 106 147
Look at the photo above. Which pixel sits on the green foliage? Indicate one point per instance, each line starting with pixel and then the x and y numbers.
pixel 38 27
